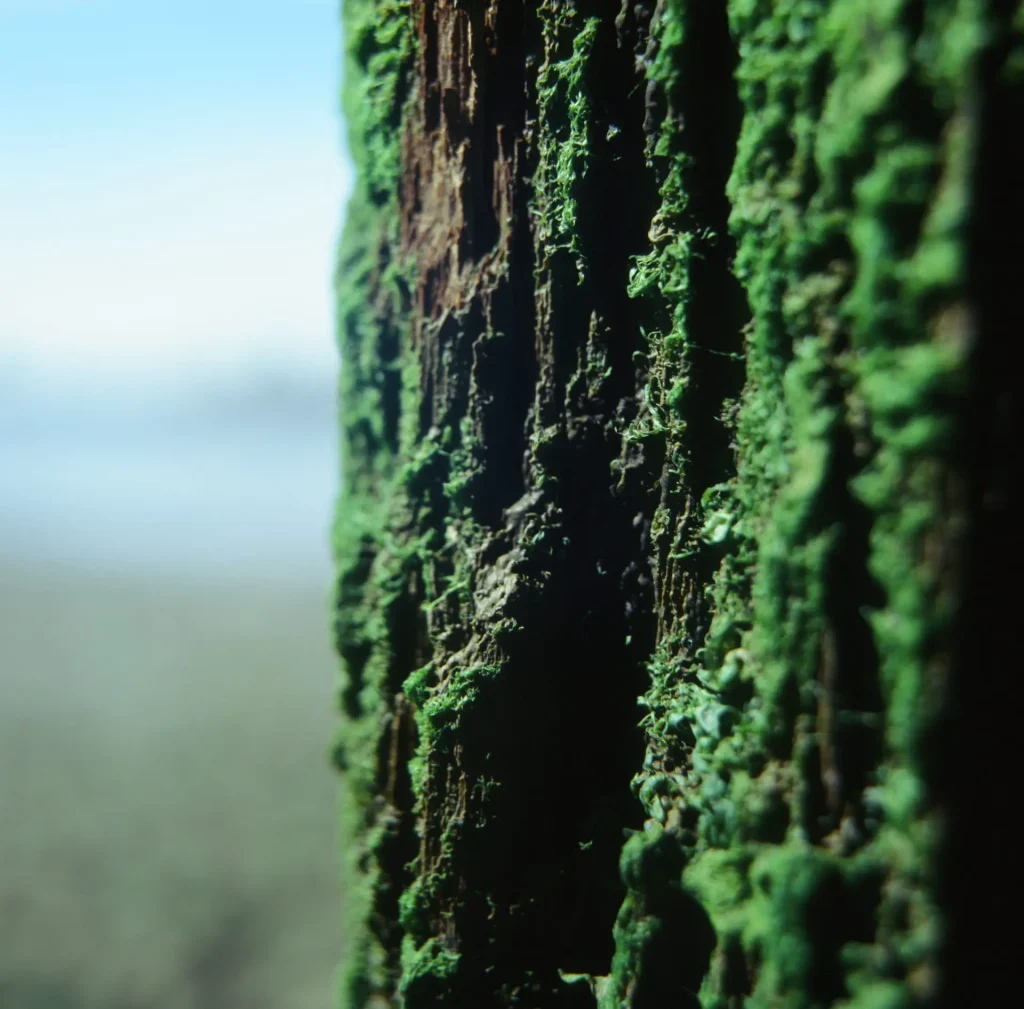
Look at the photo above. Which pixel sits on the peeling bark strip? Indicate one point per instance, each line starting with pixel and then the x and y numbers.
pixel 676 462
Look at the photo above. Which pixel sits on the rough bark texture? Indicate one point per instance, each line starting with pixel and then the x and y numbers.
pixel 679 460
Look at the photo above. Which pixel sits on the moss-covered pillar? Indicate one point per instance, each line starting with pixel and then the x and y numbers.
pixel 678 418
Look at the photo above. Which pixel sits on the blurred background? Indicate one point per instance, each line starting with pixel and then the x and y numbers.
pixel 171 185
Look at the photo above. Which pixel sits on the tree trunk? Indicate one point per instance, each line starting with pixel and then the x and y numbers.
pixel 678 459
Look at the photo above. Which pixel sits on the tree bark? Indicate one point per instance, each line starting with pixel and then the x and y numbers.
pixel 678 465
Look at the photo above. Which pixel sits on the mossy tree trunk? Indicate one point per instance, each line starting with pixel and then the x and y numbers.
pixel 678 462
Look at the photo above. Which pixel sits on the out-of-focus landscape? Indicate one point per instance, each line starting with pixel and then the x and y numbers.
pixel 171 189
pixel 166 806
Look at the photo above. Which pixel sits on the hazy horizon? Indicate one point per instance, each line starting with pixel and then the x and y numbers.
pixel 171 189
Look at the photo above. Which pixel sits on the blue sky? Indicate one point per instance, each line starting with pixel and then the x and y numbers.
pixel 171 185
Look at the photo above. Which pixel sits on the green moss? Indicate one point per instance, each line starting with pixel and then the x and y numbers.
pixel 721 881
pixel 566 121
pixel 849 210
pixel 426 970
pixel 438 707
pixel 372 572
